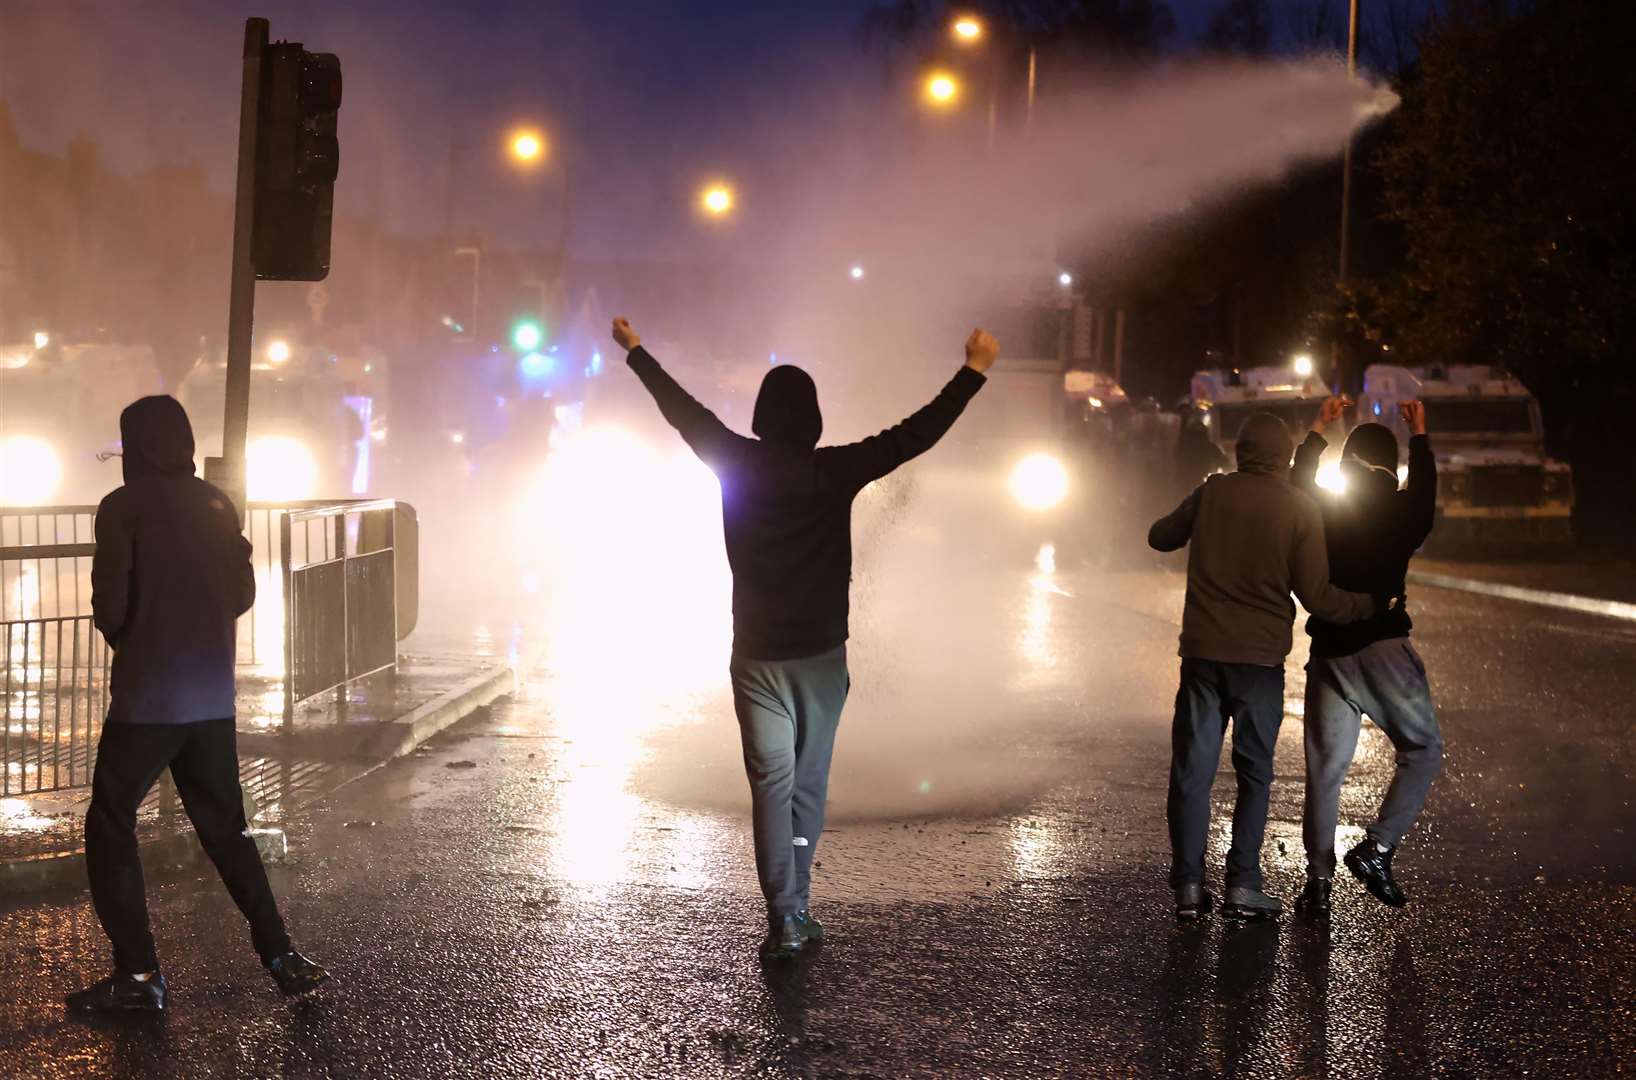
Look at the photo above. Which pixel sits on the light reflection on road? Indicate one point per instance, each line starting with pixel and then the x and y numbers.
pixel 637 629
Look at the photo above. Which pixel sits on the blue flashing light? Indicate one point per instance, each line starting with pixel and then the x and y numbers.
pixel 596 362
pixel 536 364
pixel 772 358
pixel 1377 408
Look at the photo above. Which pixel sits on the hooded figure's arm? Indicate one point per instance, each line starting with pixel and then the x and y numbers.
pixel 111 572
pixel 861 462
pixel 1175 529
pixel 1309 571
pixel 1304 473
pixel 698 426
pixel 1420 494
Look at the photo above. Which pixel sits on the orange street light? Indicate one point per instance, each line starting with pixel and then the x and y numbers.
pixel 967 29
pixel 942 89
pixel 527 147
pixel 717 200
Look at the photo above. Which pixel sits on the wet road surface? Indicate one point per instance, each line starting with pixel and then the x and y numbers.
pixel 564 886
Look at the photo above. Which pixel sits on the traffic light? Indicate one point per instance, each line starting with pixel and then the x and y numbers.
pixel 297 159
pixel 528 335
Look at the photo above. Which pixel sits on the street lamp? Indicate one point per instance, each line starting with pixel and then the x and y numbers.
pixel 857 273
pixel 1065 279
pixel 527 147
pixel 716 200
pixel 942 89
pixel 967 29
pixel 1303 365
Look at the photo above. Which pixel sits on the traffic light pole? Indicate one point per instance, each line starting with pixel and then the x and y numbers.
pixel 229 471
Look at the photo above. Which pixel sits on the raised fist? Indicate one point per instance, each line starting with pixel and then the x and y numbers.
pixel 981 350
pixel 626 338
pixel 1414 415
pixel 1331 411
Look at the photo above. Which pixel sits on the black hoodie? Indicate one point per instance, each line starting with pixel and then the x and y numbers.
pixel 1372 532
pixel 787 506
pixel 171 576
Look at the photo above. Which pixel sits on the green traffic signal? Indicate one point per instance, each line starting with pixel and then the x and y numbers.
pixel 527 335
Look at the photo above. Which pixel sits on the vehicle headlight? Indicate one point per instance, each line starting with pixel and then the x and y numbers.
pixel 1039 482
pixel 278 467
pixel 30 471
pixel 1331 478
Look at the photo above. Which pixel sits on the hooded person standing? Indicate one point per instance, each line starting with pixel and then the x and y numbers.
pixel 1372 531
pixel 787 518
pixel 170 578
pixel 1252 539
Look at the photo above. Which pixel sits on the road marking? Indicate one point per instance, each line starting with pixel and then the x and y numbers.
pixel 1613 609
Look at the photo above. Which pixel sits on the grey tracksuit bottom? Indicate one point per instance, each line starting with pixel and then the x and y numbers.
pixel 1387 681
pixel 788 711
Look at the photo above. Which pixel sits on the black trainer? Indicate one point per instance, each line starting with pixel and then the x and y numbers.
pixel 295 974
pixel 121 993
pixel 1250 904
pixel 1373 867
pixel 785 939
pixel 1193 903
pixel 1314 898
pixel 811 928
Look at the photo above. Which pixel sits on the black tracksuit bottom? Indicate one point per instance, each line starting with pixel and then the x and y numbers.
pixel 203 759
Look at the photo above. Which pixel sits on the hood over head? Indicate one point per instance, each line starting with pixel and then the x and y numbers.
pixel 1373 444
pixel 787 408
pixel 156 437
pixel 1264 445
pixel 1369 459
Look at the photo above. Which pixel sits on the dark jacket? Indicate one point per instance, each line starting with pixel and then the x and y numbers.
pixel 171 576
pixel 1254 539
pixel 1371 532
pixel 787 506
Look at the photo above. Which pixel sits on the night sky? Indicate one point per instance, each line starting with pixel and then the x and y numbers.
pixel 644 97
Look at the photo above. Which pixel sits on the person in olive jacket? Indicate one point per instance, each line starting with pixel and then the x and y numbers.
pixel 1252 539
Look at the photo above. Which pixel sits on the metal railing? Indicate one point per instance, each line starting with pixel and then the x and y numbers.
pixel 311 560
pixel 45 562
pixel 56 692
pixel 340 597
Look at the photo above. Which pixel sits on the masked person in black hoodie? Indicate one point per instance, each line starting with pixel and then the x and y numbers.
pixel 1373 530
pixel 787 517
pixel 170 578
pixel 1252 539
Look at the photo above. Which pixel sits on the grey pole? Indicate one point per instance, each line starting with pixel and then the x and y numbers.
pixel 1346 168
pixel 1033 71
pixel 1336 359
pixel 229 473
